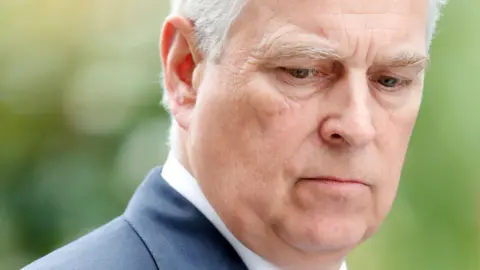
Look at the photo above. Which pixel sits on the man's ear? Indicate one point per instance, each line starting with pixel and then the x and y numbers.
pixel 180 59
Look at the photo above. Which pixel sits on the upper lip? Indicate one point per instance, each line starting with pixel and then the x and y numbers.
pixel 337 179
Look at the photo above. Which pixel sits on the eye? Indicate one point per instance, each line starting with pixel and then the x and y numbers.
pixel 388 82
pixel 300 73
pixel 391 83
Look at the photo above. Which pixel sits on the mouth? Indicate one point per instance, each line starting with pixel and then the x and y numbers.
pixel 336 181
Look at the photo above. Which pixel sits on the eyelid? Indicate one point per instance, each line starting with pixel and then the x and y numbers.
pixel 296 62
pixel 396 71
pixel 393 74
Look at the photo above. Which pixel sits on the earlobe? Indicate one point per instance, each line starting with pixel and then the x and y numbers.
pixel 180 59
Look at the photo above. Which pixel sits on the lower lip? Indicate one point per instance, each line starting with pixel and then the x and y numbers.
pixel 341 186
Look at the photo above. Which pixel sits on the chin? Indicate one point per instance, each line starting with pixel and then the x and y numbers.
pixel 326 234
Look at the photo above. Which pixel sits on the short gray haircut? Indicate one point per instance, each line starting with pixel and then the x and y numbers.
pixel 213 18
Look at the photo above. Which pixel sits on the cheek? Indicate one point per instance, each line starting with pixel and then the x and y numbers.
pixel 250 120
pixel 393 140
pixel 262 129
pixel 283 124
pixel 396 128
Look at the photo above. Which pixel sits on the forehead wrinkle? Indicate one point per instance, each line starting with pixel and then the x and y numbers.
pixel 364 7
pixel 370 21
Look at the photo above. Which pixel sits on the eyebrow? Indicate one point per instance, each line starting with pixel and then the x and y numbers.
pixel 319 49
pixel 405 59
pixel 278 49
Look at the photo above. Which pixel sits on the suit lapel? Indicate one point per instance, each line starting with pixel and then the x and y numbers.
pixel 177 235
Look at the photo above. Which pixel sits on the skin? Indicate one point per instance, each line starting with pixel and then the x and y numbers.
pixel 303 90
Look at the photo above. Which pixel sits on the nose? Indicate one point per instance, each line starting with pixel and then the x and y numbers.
pixel 349 120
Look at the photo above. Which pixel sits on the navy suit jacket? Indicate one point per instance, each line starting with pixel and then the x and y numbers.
pixel 160 229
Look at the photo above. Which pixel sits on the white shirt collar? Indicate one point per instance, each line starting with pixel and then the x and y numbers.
pixel 184 183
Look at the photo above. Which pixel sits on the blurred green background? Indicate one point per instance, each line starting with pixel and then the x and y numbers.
pixel 81 125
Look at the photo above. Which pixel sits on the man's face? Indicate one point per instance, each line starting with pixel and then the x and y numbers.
pixel 299 132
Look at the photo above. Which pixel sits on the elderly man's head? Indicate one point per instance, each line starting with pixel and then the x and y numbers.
pixel 295 116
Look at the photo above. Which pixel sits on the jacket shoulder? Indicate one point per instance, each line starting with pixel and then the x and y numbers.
pixel 115 245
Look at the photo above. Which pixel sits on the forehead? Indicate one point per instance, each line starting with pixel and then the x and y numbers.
pixel 349 24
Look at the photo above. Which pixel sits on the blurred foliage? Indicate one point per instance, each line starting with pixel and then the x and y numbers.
pixel 81 125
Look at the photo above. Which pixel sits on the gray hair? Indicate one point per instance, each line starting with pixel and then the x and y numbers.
pixel 213 18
